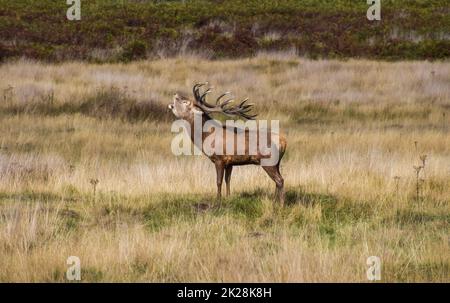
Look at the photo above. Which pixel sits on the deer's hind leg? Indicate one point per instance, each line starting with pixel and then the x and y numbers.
pixel 228 171
pixel 275 175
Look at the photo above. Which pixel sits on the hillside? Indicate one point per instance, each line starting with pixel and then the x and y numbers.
pixel 128 30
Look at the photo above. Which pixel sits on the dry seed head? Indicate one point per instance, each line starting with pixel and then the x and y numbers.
pixel 94 182
pixel 417 168
pixel 423 158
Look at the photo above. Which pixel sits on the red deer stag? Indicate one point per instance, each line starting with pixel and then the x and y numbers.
pixel 185 109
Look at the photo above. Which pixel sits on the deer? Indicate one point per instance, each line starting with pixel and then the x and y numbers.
pixel 187 109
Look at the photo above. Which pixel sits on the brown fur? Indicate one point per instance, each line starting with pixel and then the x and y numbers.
pixel 185 109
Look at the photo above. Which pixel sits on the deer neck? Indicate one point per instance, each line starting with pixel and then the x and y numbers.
pixel 197 123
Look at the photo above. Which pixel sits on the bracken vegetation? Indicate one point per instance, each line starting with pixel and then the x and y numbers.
pixel 86 170
pixel 112 30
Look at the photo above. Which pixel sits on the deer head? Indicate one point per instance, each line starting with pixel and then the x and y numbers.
pixel 183 108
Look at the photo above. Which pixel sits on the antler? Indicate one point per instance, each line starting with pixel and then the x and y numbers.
pixel 240 110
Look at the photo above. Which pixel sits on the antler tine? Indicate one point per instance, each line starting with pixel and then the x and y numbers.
pixel 243 101
pixel 249 117
pixel 221 96
pixel 240 110
pixel 196 89
pixel 225 103
pixel 198 85
pixel 248 106
pixel 242 106
pixel 203 96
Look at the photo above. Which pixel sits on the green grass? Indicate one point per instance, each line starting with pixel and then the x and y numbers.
pixel 162 210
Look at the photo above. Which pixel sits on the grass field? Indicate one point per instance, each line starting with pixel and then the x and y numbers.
pixel 355 129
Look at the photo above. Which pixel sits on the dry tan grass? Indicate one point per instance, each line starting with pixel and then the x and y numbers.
pixel 351 130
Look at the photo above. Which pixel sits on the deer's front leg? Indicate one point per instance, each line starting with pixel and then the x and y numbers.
pixel 219 171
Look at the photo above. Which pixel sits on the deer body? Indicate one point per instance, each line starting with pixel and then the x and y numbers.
pixel 225 160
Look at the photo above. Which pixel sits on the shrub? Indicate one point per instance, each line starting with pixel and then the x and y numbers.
pixel 134 50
